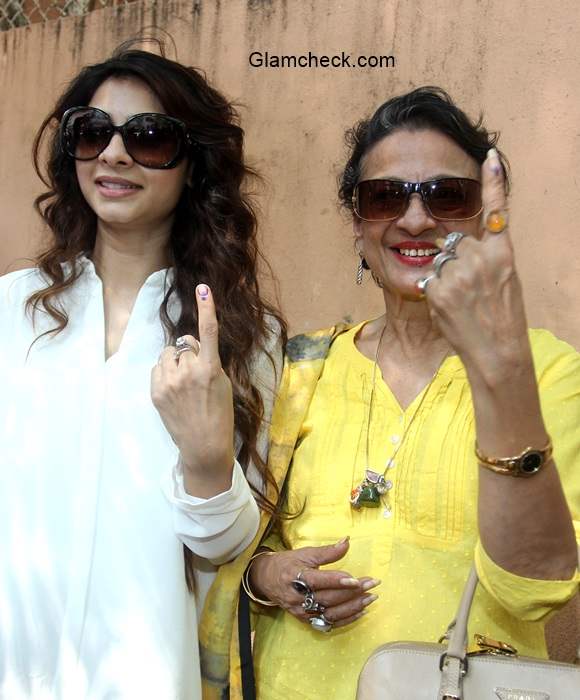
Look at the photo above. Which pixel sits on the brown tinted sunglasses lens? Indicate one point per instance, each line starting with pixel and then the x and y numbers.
pixel 87 135
pixel 453 198
pixel 153 141
pixel 380 200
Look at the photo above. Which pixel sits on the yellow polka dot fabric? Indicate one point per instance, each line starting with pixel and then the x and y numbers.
pixel 421 541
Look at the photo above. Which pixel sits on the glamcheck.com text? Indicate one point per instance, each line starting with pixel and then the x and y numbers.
pixel 259 59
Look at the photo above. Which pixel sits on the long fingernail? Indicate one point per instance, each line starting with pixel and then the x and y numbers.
pixel 361 613
pixel 203 291
pixel 371 584
pixel 367 600
pixel 495 164
pixel 344 540
pixel 349 582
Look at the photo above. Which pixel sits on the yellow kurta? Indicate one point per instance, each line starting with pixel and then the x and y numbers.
pixel 423 544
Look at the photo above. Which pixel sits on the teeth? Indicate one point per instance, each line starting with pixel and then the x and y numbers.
pixel 117 186
pixel 421 252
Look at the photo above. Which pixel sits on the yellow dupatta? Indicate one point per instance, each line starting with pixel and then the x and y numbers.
pixel 218 638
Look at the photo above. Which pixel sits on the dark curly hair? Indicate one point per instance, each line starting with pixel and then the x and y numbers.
pixel 213 239
pixel 426 107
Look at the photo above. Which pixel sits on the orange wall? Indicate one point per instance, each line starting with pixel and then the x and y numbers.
pixel 517 61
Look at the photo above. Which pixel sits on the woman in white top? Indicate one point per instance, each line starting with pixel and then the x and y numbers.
pixel 116 447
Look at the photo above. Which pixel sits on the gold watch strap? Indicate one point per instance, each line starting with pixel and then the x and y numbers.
pixel 527 463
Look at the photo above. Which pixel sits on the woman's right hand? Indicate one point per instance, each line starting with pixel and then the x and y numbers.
pixel 344 597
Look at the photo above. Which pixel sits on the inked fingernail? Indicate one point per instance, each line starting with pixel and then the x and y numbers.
pixel 203 291
pixel 495 164
pixel 367 600
pixel 349 582
pixel 371 584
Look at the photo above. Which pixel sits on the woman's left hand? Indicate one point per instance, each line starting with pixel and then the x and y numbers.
pixel 194 398
pixel 476 301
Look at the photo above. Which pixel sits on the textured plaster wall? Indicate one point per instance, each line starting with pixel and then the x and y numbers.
pixel 516 61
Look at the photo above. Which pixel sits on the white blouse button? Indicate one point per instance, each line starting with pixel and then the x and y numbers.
pixel 395 439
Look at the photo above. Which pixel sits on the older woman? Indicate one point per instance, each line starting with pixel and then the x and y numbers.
pixel 441 432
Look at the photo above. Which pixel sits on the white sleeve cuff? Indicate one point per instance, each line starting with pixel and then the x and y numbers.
pixel 216 528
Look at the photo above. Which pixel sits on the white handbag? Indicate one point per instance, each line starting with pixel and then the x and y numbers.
pixel 423 671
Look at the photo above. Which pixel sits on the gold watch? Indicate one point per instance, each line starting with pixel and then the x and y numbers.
pixel 527 463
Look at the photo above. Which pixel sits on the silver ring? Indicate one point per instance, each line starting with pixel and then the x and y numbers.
pixel 311 605
pixel 320 623
pixel 452 240
pixel 301 586
pixel 440 260
pixel 181 346
pixel 423 282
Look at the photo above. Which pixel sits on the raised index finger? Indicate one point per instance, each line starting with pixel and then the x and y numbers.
pixel 208 325
pixel 493 193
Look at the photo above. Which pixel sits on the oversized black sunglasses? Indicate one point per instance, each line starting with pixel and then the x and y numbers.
pixel 446 199
pixel 152 140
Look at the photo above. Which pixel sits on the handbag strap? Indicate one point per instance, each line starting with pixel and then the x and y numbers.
pixel 453 662
pixel 245 641
pixel 458 633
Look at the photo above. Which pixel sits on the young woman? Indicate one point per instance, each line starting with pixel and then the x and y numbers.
pixel 137 368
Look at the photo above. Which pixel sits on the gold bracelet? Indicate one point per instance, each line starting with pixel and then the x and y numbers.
pixel 246 582
pixel 527 463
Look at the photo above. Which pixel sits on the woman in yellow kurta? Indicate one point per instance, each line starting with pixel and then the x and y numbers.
pixel 380 424
pixel 422 539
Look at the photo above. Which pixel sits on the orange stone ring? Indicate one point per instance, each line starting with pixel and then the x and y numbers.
pixel 496 221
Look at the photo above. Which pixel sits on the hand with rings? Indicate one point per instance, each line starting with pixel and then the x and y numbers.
pixel 324 599
pixel 194 398
pixel 474 293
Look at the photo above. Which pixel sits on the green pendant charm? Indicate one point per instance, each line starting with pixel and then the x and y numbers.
pixel 370 497
pixel 368 493
pixel 365 495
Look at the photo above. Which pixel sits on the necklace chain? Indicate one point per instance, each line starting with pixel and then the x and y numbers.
pixel 377 488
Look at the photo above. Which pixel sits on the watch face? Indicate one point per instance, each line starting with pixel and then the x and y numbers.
pixel 531 462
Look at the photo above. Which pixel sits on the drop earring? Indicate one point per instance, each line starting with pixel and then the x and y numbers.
pixel 361 267
pixel 359 272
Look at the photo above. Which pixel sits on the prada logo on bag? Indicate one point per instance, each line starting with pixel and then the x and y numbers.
pixel 515 694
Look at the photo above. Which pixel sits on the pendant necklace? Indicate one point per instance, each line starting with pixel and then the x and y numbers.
pixel 374 487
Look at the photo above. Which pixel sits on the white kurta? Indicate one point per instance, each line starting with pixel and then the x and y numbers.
pixel 93 600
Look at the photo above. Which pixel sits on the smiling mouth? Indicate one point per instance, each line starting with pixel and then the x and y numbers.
pixel 417 252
